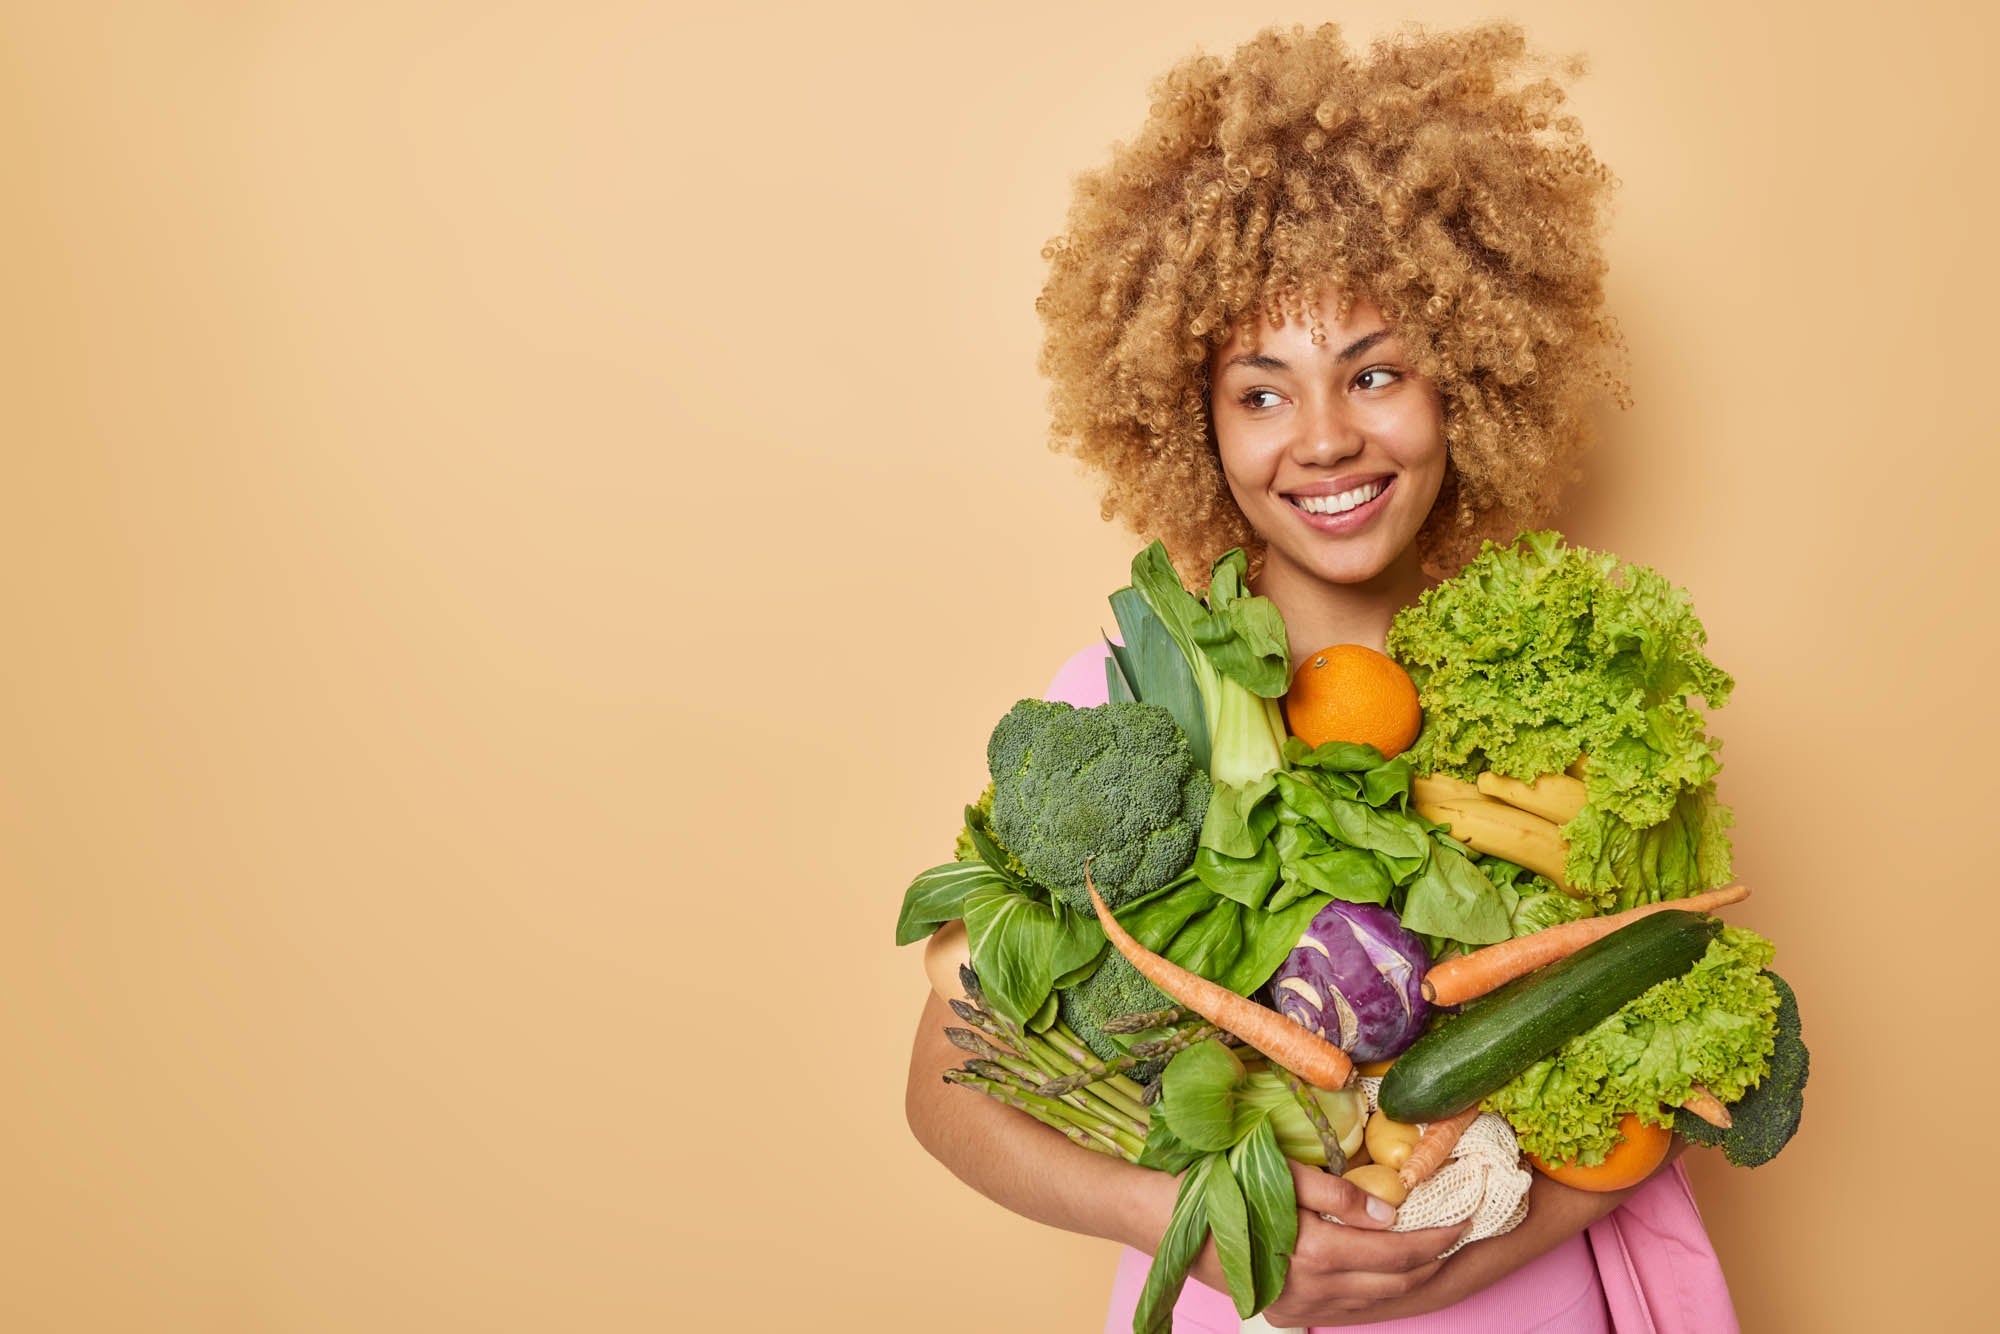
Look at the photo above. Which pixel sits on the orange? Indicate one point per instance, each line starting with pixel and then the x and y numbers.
pixel 1351 693
pixel 1631 1160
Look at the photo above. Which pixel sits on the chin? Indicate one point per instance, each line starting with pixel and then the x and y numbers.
pixel 1341 564
pixel 1350 572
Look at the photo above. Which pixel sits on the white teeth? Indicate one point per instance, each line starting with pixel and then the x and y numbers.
pixel 1343 502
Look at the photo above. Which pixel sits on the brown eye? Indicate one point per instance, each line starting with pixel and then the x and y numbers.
pixel 1256 399
pixel 1375 377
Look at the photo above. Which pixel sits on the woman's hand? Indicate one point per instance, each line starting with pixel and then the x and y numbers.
pixel 1347 1266
pixel 1340 1267
pixel 1555 1214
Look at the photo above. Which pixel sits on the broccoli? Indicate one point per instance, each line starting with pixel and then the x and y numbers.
pixel 1115 988
pixel 1767 1116
pixel 1116 783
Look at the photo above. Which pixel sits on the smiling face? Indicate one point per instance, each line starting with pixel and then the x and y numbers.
pixel 1334 451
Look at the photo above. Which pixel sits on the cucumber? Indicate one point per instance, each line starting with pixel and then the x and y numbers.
pixel 1461 1060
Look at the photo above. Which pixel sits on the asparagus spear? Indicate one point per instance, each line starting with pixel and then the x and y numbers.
pixel 1052 1111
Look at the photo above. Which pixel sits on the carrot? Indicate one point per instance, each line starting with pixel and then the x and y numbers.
pixel 1434 1147
pixel 1708 1107
pixel 1472 975
pixel 1289 1044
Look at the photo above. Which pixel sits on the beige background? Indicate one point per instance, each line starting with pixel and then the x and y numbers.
pixel 518 517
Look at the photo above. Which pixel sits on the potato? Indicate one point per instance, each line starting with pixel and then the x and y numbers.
pixel 1390 1142
pixel 1378 1180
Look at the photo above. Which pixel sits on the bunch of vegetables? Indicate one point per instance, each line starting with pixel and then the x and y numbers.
pixel 1561 730
pixel 1183 928
pixel 1539 658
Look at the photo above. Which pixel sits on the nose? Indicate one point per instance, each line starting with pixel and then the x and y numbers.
pixel 1328 432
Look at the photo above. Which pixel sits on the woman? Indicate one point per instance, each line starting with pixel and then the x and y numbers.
pixel 1344 312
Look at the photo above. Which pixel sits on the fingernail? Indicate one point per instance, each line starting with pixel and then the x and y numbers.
pixel 1381 1209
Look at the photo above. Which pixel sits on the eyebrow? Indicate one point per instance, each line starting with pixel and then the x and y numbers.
pixel 1263 362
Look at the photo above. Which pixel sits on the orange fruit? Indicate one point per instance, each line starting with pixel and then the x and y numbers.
pixel 1631 1160
pixel 1351 693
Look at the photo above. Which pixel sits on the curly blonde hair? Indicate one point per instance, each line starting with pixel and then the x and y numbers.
pixel 1439 179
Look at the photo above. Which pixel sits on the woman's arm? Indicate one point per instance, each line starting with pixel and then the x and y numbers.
pixel 1024 1166
pixel 1016 1161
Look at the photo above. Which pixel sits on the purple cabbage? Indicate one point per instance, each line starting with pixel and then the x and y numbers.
pixel 1355 978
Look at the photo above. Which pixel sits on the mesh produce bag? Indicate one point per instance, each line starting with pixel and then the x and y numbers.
pixel 1484 1181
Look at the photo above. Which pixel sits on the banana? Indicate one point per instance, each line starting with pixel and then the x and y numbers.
pixel 1576 767
pixel 1555 797
pixel 1441 787
pixel 1438 810
pixel 1499 830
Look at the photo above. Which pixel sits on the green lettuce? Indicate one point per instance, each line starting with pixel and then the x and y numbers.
pixel 1532 902
pixel 1714 1025
pixel 1540 653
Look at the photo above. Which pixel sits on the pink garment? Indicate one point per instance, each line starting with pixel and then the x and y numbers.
pixel 1645 1268
pixel 1556 1294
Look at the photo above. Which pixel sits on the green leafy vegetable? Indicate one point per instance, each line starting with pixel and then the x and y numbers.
pixel 1021 945
pixel 1532 901
pixel 1229 1222
pixel 1538 653
pixel 1344 829
pixel 1450 898
pixel 1236 649
pixel 1198 1097
pixel 938 896
pixel 1216 937
pixel 1153 669
pixel 1164 1150
pixel 1273 1204
pixel 1186 1230
pixel 1210 1107
pixel 1266 1091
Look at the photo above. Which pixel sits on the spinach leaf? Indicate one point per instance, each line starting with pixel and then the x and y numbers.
pixel 1452 898
pixel 1248 880
pixel 1267 938
pixel 1241 817
pixel 1159 917
pixel 1308 862
pixel 1209 944
pixel 1353 769
pixel 1243 635
pixel 1352 821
